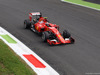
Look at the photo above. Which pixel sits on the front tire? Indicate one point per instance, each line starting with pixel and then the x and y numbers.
pixel 45 36
pixel 72 40
pixel 66 34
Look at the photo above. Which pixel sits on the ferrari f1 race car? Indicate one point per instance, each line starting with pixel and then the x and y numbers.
pixel 48 31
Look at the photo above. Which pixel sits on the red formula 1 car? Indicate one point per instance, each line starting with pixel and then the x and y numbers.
pixel 49 32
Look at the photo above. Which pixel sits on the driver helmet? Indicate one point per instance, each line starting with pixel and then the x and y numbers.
pixel 45 19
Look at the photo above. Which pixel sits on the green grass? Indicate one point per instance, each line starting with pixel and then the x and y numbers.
pixel 89 4
pixel 12 64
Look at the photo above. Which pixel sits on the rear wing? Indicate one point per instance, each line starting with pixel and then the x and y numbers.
pixel 34 14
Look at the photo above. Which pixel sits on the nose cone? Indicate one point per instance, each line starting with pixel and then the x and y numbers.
pixel 61 39
pixel 58 35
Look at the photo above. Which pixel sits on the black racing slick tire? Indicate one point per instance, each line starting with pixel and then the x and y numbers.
pixel 45 36
pixel 66 34
pixel 27 24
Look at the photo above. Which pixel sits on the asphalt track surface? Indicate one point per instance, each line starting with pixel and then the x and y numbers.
pixel 84 24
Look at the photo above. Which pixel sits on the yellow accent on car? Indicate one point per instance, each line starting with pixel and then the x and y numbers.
pixel 47 29
pixel 37 27
pixel 59 35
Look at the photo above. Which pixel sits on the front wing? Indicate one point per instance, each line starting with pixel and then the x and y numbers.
pixel 55 42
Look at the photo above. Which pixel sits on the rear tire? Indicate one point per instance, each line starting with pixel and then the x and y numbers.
pixel 27 24
pixel 66 34
pixel 45 36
